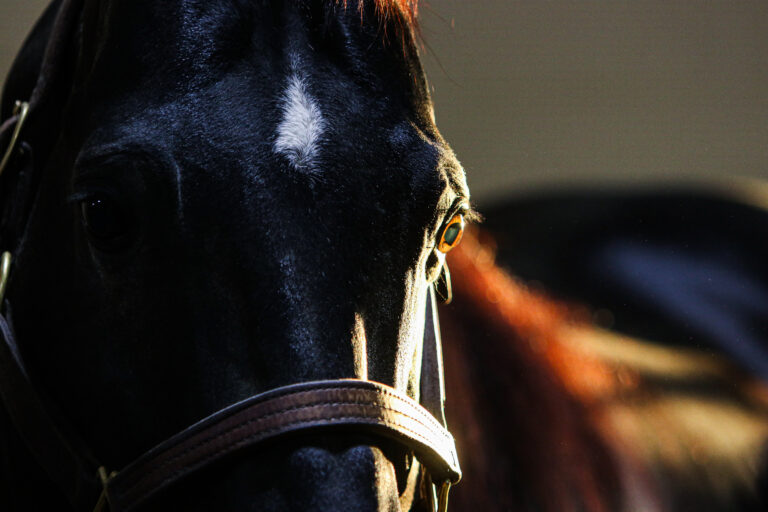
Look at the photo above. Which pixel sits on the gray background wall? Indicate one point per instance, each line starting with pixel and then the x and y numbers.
pixel 560 93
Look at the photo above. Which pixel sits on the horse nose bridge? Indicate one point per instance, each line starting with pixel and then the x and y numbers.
pixel 316 317
pixel 356 478
pixel 331 476
pixel 340 314
pixel 319 267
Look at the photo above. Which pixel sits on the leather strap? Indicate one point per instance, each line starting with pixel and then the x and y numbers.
pixel 432 382
pixel 62 455
pixel 324 406
pixel 22 173
pixel 317 406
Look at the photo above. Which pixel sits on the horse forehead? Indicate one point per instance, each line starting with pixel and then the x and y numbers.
pixel 186 43
pixel 289 135
pixel 279 106
pixel 286 128
pixel 310 74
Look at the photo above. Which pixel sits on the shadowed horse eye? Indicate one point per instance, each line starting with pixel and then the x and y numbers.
pixel 103 218
pixel 452 233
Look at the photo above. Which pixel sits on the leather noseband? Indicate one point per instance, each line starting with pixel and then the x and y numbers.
pixel 326 406
pixel 334 405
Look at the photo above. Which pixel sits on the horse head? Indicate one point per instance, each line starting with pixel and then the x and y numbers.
pixel 223 198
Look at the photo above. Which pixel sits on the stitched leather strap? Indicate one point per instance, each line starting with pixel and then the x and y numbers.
pixel 345 404
pixel 327 405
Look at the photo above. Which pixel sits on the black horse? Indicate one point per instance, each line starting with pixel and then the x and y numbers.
pixel 211 199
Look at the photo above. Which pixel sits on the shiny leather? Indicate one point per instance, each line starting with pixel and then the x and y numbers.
pixel 335 405
pixel 325 406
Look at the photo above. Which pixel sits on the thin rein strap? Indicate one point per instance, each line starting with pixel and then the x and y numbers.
pixel 61 454
pixel 64 458
pixel 17 121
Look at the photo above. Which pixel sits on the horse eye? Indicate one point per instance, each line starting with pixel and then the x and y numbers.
pixel 103 218
pixel 452 233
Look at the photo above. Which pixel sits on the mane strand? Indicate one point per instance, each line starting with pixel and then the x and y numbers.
pixel 403 13
pixel 405 10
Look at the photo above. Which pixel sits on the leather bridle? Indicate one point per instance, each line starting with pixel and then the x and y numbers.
pixel 327 406
pixel 337 405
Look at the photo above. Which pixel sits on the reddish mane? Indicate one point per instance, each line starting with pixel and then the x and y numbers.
pixel 402 12
pixel 406 10
pixel 513 396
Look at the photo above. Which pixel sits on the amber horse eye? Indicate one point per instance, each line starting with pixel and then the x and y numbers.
pixel 452 233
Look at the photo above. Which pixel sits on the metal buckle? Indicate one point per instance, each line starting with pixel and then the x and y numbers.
pixel 22 110
pixel 442 496
pixel 5 270
pixel 438 495
pixel 103 502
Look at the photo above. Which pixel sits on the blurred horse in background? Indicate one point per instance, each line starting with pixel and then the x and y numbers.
pixel 552 411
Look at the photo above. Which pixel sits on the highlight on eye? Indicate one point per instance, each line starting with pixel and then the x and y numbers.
pixel 451 234
pixel 103 218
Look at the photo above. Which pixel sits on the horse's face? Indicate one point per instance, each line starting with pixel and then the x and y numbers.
pixel 243 195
